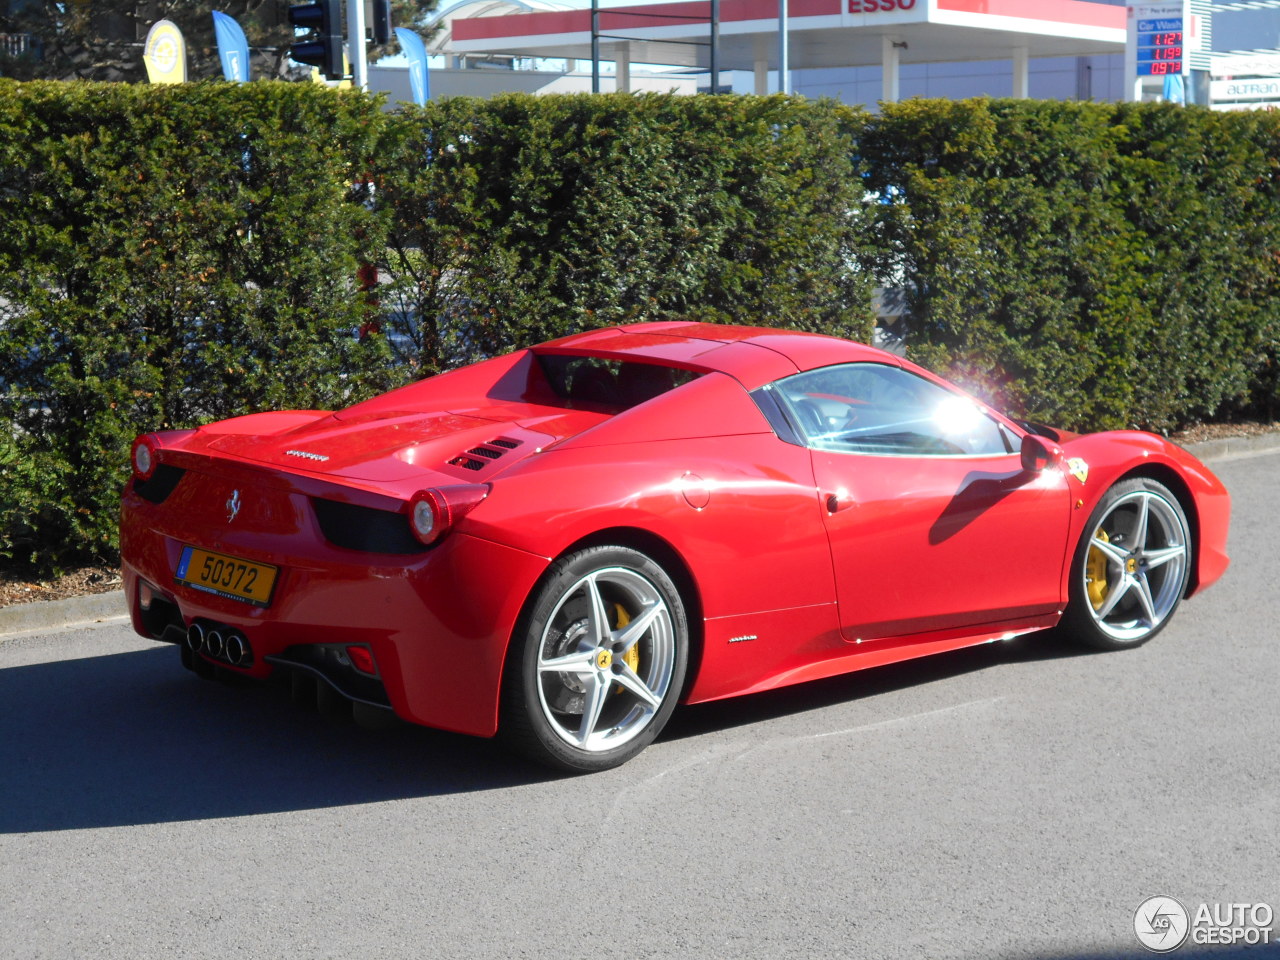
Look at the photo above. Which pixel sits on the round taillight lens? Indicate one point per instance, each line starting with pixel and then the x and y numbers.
pixel 432 512
pixel 143 457
pixel 428 515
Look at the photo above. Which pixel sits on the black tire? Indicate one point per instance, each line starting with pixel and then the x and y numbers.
pixel 581 694
pixel 1122 591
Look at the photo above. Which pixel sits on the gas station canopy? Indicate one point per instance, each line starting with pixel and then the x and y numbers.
pixel 822 33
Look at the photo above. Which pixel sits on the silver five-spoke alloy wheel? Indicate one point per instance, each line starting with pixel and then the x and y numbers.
pixel 1132 566
pixel 603 660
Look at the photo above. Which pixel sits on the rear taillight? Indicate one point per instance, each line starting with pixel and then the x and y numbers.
pixel 428 515
pixel 432 512
pixel 144 456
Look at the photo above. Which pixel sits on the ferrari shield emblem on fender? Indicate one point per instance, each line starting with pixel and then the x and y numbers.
pixel 1078 469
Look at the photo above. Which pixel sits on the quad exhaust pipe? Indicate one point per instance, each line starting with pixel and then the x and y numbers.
pixel 234 646
pixel 213 643
pixel 218 642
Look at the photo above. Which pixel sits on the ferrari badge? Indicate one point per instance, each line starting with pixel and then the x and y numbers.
pixel 1078 468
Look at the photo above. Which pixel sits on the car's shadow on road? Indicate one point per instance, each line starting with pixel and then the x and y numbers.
pixel 132 738
pixel 703 718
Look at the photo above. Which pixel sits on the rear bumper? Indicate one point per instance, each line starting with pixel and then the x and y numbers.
pixel 438 623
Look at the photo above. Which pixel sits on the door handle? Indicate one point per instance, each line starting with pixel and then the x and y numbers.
pixel 838 501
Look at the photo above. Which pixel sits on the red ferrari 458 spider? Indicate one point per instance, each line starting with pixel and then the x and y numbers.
pixel 559 545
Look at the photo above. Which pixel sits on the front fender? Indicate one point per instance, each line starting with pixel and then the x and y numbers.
pixel 1111 457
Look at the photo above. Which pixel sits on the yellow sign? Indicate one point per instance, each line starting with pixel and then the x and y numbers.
pixel 165 53
pixel 226 576
pixel 345 84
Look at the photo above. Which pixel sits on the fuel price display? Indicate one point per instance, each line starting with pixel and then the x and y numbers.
pixel 1160 49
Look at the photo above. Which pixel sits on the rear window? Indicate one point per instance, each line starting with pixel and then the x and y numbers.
pixel 594 383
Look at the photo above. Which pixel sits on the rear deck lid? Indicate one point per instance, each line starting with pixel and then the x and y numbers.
pixel 442 447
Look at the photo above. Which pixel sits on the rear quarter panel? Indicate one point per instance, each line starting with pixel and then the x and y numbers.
pixel 741 510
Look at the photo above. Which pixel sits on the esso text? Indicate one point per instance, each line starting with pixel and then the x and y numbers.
pixel 879 6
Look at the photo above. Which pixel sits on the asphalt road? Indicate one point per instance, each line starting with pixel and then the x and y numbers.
pixel 1017 800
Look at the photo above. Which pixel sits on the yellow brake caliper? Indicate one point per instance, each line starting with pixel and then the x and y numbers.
pixel 632 657
pixel 1095 573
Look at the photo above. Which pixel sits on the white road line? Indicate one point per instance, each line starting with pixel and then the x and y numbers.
pixel 736 752
pixel 897 720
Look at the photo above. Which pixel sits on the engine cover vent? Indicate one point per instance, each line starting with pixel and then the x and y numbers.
pixel 475 457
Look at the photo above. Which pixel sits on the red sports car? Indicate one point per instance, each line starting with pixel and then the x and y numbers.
pixel 559 545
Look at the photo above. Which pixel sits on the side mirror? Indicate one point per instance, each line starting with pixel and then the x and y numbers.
pixel 1037 455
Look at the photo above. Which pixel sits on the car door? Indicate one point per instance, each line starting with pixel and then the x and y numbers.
pixel 932 521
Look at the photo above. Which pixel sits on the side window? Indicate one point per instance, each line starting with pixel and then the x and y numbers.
pixel 879 409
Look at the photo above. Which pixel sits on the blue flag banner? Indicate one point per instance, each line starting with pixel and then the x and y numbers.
pixel 415 51
pixel 1174 89
pixel 233 48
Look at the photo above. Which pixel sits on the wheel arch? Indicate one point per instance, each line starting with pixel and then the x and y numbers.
pixel 1170 478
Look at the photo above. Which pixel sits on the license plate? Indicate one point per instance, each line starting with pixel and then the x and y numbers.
pixel 226 576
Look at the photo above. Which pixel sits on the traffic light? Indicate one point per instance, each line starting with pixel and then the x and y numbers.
pixel 324 49
pixel 381 21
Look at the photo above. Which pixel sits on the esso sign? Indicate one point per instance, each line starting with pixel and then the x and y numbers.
pixel 880 6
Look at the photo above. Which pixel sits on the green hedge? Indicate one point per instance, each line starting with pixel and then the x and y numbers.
pixel 1093 265
pixel 166 257
pixel 523 218
pixel 174 255
pixel 171 255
